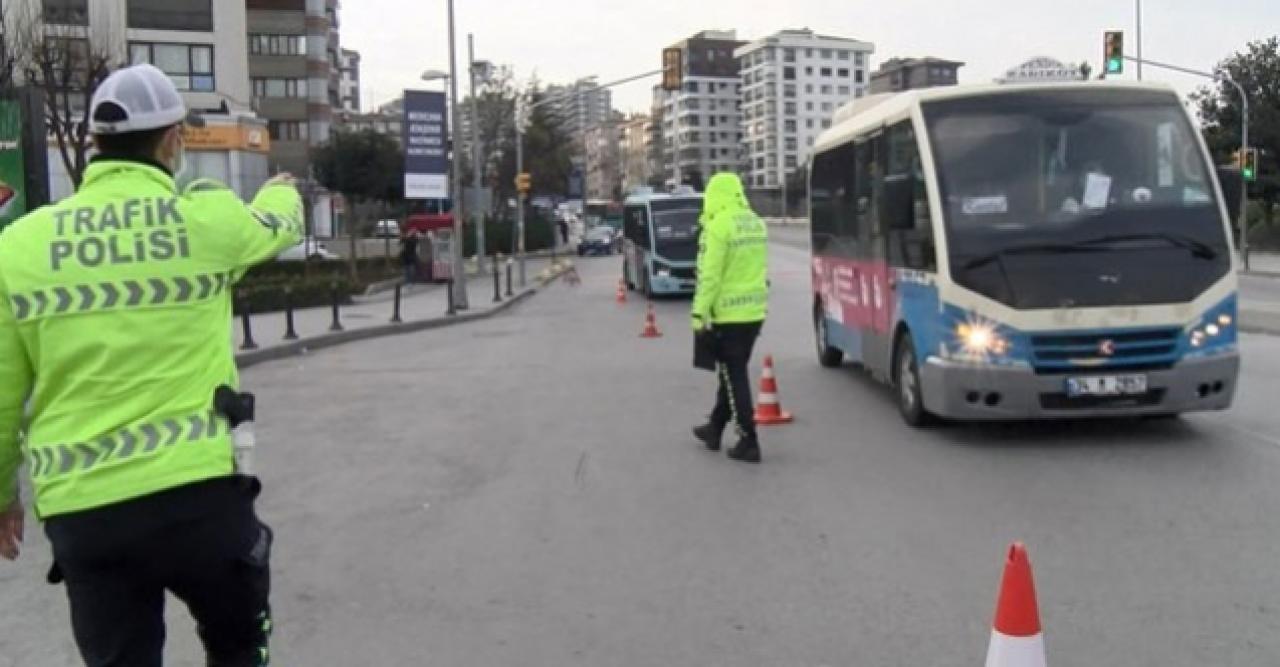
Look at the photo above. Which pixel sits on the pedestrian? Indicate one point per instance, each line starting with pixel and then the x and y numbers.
pixel 409 256
pixel 564 231
pixel 729 308
pixel 114 310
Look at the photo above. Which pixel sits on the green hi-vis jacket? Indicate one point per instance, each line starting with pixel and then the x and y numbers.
pixel 733 253
pixel 115 311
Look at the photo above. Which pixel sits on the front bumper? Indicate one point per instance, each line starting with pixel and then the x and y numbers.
pixel 672 285
pixel 956 390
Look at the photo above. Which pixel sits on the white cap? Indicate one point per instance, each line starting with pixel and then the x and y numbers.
pixel 137 98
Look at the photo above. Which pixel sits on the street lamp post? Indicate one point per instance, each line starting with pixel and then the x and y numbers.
pixel 520 121
pixel 1137 9
pixel 476 152
pixel 459 208
pixel 1244 138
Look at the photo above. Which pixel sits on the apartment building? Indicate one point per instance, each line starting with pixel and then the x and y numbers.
pixel 349 81
pixel 603 160
pixel 200 44
pixel 294 58
pixel 579 106
pixel 899 74
pixel 701 123
pixel 792 83
pixel 633 152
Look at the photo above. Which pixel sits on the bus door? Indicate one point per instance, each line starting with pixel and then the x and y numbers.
pixel 637 244
pixel 912 256
pixel 872 264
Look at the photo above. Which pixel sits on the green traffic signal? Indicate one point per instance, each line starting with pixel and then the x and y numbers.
pixel 1250 168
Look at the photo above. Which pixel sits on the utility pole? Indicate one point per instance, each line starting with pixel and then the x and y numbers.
pixel 459 269
pixel 1244 141
pixel 476 151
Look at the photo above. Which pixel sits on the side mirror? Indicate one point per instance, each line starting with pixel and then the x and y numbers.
pixel 899 202
pixel 1232 183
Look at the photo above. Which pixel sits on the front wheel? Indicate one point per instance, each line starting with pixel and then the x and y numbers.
pixel 828 357
pixel 907 384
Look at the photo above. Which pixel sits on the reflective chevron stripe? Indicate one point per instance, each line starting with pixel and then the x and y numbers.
pixel 51 461
pixel 96 297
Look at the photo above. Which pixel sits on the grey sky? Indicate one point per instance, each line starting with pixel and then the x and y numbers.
pixel 561 40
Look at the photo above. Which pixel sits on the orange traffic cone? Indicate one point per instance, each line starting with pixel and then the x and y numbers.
pixel 621 295
pixel 650 325
pixel 1016 638
pixel 768 409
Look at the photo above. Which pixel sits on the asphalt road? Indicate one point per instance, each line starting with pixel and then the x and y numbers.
pixel 524 492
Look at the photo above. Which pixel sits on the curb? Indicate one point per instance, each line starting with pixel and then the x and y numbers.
pixel 255 357
pixel 1261 274
pixel 1259 322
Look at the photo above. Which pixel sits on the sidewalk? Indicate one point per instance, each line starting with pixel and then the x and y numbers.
pixel 422 307
pixel 1262 263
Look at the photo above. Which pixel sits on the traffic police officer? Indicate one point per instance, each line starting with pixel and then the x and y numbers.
pixel 115 309
pixel 730 305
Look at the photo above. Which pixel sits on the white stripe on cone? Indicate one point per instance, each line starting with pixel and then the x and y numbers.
pixel 768 399
pixel 1007 651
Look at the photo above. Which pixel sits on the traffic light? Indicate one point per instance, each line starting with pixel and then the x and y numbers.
pixel 672 69
pixel 1113 51
pixel 1249 170
pixel 524 182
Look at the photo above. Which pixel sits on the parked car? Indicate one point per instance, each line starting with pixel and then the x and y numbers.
pixel 308 249
pixel 598 240
pixel 387 229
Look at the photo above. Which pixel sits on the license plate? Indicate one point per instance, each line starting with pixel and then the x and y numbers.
pixel 1107 385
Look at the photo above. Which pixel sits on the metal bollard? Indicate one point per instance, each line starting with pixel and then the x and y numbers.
pixel 249 343
pixel 509 292
pixel 497 285
pixel 395 314
pixel 452 310
pixel 290 333
pixel 337 320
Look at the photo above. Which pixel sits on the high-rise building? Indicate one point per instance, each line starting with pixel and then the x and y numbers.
pixel 200 44
pixel 899 74
pixel 701 123
pixel 349 81
pixel 296 84
pixel 579 105
pixel 792 83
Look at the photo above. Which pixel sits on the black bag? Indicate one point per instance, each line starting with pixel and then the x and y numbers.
pixel 706 350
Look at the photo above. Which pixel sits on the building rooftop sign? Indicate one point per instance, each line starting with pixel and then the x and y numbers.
pixel 1039 70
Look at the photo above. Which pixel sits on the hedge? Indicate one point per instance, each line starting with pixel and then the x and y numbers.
pixel 367 266
pixel 266 288
pixel 500 232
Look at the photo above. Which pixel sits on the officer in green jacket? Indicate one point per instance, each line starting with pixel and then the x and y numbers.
pixel 730 305
pixel 115 309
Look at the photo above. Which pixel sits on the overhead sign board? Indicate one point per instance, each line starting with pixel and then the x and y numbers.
pixel 1040 70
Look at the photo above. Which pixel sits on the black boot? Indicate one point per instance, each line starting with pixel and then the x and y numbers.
pixel 747 450
pixel 709 434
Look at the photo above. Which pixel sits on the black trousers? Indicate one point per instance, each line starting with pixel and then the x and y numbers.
pixel 734 343
pixel 202 542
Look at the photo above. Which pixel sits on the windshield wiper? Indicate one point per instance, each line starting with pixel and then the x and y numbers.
pixel 1196 248
pixel 1032 249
